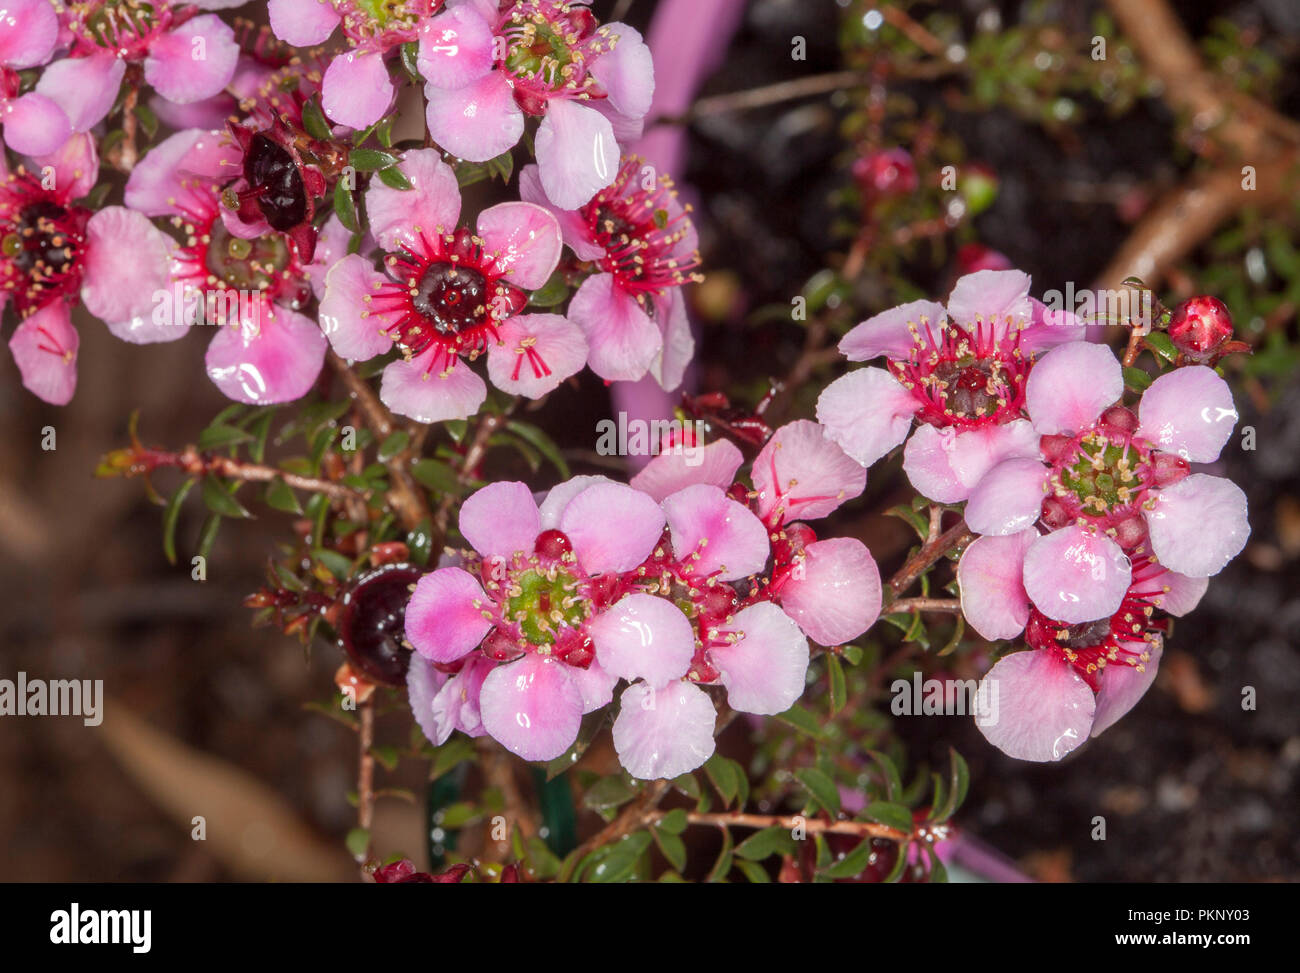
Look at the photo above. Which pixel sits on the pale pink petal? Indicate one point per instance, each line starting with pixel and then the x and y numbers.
pixel 612 527
pixel 457 704
pixel 1076 575
pixel 302 23
pixel 991 297
pixel 573 227
pixel 1040 708
pixel 29 31
pixel 412 389
pixel 595 684
pixel 532 707
pixel 643 637
pixel 423 686
pixel 84 87
pixel 893 333
pixel 664 733
pixel 1071 386
pixel 867 412
pixel 126 265
pixel 75 165
pixel 456 48
pixel 34 124
pixel 44 347
pixel 836 597
pixel 764 670
pixel 627 71
pixel 477 122
pixel 671 471
pixel 501 519
pixel 1198 525
pixel 1120 687
pixel 945 465
pixel 1049 327
pixel 331 247
pixel 535 354
pixel 1008 498
pixel 678 351
pixel 577 154
pixel 524 241
pixel 1188 412
pixel 155 185
pixel 1179 594
pixel 444 618
pixel 558 497
pixel 990 575
pixel 272 355
pixel 357 90
pixel 800 474
pixel 353 330
pixel 194 61
pixel 622 341
pixel 397 216
pixel 714 534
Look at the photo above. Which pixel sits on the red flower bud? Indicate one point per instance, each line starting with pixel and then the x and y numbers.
pixel 1201 326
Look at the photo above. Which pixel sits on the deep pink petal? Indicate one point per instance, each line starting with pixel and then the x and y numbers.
pixel 622 341
pixel 643 637
pixel 1008 498
pixel 84 87
pixel 671 471
pixel 357 90
pixel 44 347
pixel 302 23
pixel 837 595
pixel 445 616
pixel 194 61
pixel 456 48
pixel 1071 386
pixel 626 72
pixel 397 216
pixel 867 412
pixel 273 355
pixel 800 474
pixel 893 333
pixel 1188 412
pixel 535 354
pixel 524 241
pixel 718 536
pixel 764 670
pixel 577 154
pixel 1049 328
pixel 558 497
pixel 990 575
pixel 1042 708
pixel 612 527
pixel 664 733
pixel 573 227
pixel 501 519
pixel 415 390
pixel 477 122
pixel 29 31
pixel 1198 525
pixel 159 180
pixel 1122 686
pixel 75 165
pixel 531 707
pixel 34 124
pixel 1076 575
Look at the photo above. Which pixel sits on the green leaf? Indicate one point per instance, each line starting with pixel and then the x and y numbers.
pixel 220 500
pixel 674 822
pixel 723 773
pixel 958 785
pixel 358 843
pixel 893 780
pixel 368 160
pixel 553 292
pixel 468 173
pixel 335 563
pixel 219 436
pixel 208 534
pixel 345 207
pixel 609 792
pixel 386 755
pixel 455 751
pixel 802 720
pixel 755 872
pixel 775 840
pixel 821 787
pixel 839 687
pixel 502 166
pixel 436 475
pixel 543 443
pixel 619 861
pixel 410 55
pixel 280 497
pixel 725 857
pixel 890 815
pixel 852 864
pixel 1161 344
pixel 394 178
pixel 170 516
pixel 1136 379
pixel 394 444
pixel 313 120
pixel 419 541
pixel 671 847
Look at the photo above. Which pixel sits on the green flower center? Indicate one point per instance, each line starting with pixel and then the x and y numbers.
pixel 245 265
pixel 1104 474
pixel 542 602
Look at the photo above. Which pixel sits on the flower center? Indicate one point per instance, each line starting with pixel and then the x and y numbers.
pixel 1126 638
pixel 549 46
pixel 451 298
pixel 41 243
pixel 245 265
pixel 543 603
pixel 365 19
pixel 276 182
pixel 1103 474
pixel 964 380
pixel 125 27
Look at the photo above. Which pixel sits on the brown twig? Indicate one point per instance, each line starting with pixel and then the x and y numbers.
pixel 738 819
pixel 488 426
pixel 141 461
pixel 947 606
pixel 954 538
pixel 366 771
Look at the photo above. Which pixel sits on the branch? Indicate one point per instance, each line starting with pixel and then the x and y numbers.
pixel 738 819
pixel 947 606
pixel 954 538
pixel 636 815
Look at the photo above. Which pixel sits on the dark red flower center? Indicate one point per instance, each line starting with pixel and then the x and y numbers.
pixel 277 183
pixel 964 380
pixel 41 242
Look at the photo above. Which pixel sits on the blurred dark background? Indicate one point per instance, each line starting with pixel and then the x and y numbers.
pixel 1193 787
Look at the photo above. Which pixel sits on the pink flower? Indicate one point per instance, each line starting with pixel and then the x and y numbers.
pixel 643 245
pixel 264 351
pixel 1123 475
pixel 357 89
pixel 1076 679
pixel 485 70
pixel 56 252
pixel 450 292
pixel 34 124
pixel 960 372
